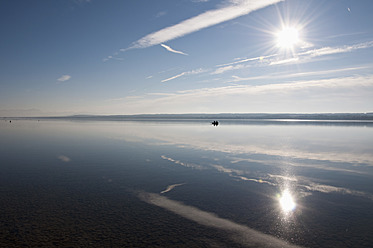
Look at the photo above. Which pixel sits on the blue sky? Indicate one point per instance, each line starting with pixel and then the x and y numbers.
pixel 62 57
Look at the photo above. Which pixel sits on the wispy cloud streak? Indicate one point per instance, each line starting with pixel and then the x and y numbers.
pixel 284 61
pixel 64 78
pixel 171 78
pixel 301 57
pixel 300 74
pixel 227 68
pixel 159 14
pixel 247 60
pixel 334 50
pixel 204 20
pixel 112 57
pixel 173 50
pixel 192 72
pixel 347 82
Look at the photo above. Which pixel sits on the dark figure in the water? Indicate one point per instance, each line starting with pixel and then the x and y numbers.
pixel 215 123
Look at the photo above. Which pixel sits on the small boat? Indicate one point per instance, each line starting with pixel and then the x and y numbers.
pixel 215 123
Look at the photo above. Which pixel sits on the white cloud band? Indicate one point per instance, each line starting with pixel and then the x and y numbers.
pixel 204 20
pixel 172 50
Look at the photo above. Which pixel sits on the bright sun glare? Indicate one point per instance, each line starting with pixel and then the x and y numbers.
pixel 287 37
pixel 286 202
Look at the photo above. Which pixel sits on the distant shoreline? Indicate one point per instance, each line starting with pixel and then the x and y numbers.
pixel 224 116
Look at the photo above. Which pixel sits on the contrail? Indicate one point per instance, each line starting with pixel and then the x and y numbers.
pixel 204 20
pixel 170 49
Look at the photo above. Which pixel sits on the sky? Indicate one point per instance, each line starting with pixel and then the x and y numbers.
pixel 105 57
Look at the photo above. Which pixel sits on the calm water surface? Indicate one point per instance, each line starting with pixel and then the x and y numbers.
pixel 185 184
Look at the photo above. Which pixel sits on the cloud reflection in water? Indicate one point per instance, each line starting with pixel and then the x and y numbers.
pixel 242 234
pixel 64 158
pixel 295 143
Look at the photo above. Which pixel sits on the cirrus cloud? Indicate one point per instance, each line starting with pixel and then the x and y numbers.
pixel 204 20
pixel 64 78
pixel 168 48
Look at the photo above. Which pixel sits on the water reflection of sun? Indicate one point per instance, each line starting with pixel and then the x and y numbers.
pixel 287 202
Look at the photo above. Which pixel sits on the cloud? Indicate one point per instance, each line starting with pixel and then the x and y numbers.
pixel 161 94
pixel 171 78
pixel 334 50
pixel 64 78
pixel 285 61
pixel 112 57
pixel 260 58
pixel 64 158
pixel 161 13
pixel 116 99
pixel 192 72
pixel 301 57
pixel 204 20
pixel 300 74
pixel 226 68
pixel 172 50
pixel 124 99
pixel 336 91
pixel 335 83
pixel 239 233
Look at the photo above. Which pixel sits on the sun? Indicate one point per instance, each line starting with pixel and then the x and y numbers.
pixel 288 37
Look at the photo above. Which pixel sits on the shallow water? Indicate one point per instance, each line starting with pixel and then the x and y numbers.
pixel 186 183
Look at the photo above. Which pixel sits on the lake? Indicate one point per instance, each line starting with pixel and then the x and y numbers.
pixel 186 183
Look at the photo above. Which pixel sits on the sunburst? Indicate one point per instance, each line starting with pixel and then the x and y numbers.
pixel 287 38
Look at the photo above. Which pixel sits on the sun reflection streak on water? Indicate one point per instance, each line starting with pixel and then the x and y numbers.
pixel 287 202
